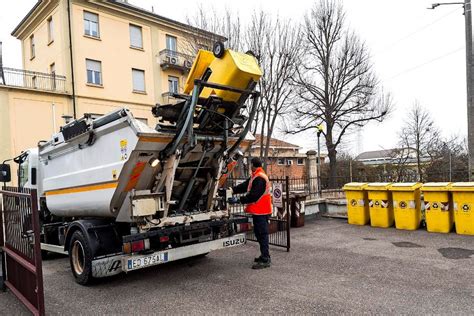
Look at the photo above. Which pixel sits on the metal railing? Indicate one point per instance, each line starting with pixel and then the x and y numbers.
pixel 278 221
pixel 32 79
pixel 173 59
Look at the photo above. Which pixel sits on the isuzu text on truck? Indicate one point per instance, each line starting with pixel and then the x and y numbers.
pixel 117 195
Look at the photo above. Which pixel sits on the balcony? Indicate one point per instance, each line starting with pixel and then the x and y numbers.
pixel 32 80
pixel 170 59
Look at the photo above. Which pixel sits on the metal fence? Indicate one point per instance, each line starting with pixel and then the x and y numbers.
pixel 279 221
pixel 32 79
pixel 21 247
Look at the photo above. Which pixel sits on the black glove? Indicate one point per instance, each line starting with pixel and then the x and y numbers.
pixel 221 191
pixel 233 200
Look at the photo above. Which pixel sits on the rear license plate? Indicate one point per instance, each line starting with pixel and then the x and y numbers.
pixel 151 260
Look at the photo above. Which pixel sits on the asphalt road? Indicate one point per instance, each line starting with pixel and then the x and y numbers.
pixel 332 268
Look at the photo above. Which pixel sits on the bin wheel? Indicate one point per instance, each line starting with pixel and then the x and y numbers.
pixel 80 258
pixel 218 49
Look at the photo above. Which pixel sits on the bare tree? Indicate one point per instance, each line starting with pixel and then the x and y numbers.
pixel 401 158
pixel 276 43
pixel 336 83
pixel 209 26
pixel 420 134
pixel 449 161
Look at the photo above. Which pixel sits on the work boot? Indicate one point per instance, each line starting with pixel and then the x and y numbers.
pixel 258 259
pixel 262 264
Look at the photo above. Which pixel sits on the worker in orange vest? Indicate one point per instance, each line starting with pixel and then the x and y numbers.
pixel 258 202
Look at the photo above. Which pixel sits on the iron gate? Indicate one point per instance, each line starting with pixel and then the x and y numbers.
pixel 279 221
pixel 20 243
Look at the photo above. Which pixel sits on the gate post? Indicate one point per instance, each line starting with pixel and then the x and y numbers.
pixel 288 215
pixel 37 251
pixel 2 255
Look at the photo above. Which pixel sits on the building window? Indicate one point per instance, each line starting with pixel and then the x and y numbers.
pixel 91 24
pixel 32 46
pixel 52 70
pixel 50 30
pixel 171 43
pixel 94 71
pixel 300 161
pixel 281 161
pixel 136 40
pixel 289 162
pixel 173 84
pixel 138 78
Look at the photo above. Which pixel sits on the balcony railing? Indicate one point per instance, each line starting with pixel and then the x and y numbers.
pixel 172 59
pixel 32 80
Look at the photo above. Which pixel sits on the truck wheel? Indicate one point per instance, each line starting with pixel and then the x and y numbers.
pixel 80 258
pixel 218 49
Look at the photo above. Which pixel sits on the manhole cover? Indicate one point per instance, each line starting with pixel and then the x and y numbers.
pixel 456 253
pixel 406 244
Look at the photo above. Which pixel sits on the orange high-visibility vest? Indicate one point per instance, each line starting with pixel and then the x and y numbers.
pixel 264 204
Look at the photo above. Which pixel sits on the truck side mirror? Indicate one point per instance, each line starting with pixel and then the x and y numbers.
pixel 5 173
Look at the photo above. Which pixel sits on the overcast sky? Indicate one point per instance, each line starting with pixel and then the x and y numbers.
pixel 418 54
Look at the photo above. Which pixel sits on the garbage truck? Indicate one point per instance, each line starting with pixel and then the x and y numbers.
pixel 117 195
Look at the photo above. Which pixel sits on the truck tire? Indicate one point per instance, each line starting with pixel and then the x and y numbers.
pixel 80 258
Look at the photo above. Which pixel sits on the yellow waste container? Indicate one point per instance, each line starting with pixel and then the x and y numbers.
pixel 380 204
pixel 406 205
pixel 438 207
pixel 233 69
pixel 357 203
pixel 463 204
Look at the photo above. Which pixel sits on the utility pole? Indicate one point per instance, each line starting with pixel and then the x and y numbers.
pixel 470 87
pixel 469 79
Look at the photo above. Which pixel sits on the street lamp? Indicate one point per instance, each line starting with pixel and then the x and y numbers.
pixel 469 79
pixel 318 172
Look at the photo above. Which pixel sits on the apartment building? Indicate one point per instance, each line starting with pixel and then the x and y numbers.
pixel 90 57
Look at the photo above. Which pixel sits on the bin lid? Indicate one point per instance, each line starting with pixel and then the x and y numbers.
pixel 436 186
pixel 379 186
pixel 405 186
pixel 462 186
pixel 354 186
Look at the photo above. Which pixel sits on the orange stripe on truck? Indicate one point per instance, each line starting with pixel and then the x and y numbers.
pixel 85 188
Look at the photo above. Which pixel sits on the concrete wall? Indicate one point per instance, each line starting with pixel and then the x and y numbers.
pixel 28 116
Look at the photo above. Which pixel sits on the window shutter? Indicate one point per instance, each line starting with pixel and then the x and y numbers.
pixel 138 77
pixel 93 65
pixel 136 36
pixel 91 17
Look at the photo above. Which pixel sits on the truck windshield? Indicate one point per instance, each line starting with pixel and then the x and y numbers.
pixel 23 173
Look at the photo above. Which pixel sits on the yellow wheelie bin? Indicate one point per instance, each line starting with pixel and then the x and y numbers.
pixel 438 207
pixel 380 204
pixel 463 204
pixel 406 205
pixel 357 203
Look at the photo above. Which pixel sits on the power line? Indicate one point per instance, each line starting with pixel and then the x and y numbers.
pixel 417 31
pixel 426 63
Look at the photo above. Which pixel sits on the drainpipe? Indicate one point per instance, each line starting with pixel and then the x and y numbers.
pixel 1 66
pixel 74 114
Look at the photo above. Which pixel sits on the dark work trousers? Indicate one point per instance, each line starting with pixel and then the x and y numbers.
pixel 260 228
